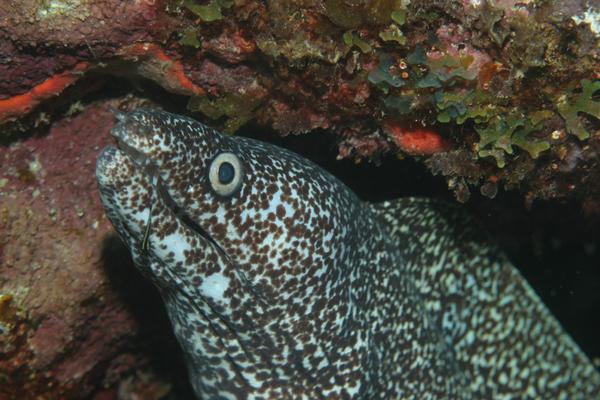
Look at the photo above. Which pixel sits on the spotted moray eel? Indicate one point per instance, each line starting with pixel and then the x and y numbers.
pixel 281 283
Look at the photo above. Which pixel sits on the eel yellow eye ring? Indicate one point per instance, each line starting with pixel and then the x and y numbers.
pixel 225 174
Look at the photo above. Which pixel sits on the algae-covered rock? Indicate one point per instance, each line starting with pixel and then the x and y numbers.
pixel 478 73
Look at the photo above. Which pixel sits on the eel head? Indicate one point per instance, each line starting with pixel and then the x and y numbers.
pixel 250 245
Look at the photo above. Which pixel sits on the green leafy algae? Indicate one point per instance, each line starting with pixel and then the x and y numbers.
pixel 209 12
pixel 499 128
pixel 393 33
pixel 418 56
pixel 533 147
pixel 447 67
pixel 441 69
pixel 401 104
pixel 344 15
pixel 399 17
pixel 386 74
pixel 488 19
pixel 236 109
pixel 474 105
pixel 352 39
pixel 290 37
pixel 190 38
pixel 569 108
pixel 498 137
pixel 355 13
pixel 429 81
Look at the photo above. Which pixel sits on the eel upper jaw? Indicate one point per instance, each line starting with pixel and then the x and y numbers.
pixel 145 164
pixel 142 161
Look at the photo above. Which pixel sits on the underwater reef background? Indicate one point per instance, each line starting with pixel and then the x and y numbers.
pixel 495 104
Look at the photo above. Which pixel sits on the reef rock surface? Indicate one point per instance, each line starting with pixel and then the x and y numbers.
pixel 488 94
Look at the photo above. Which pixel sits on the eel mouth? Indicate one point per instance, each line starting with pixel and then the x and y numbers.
pixel 149 168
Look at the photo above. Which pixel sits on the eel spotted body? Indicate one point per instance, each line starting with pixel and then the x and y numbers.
pixel 280 283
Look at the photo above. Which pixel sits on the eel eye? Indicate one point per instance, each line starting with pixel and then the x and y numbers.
pixel 225 174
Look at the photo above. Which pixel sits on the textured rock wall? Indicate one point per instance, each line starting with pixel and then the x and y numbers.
pixel 65 329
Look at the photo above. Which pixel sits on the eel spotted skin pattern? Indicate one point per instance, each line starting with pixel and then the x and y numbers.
pixel 280 283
